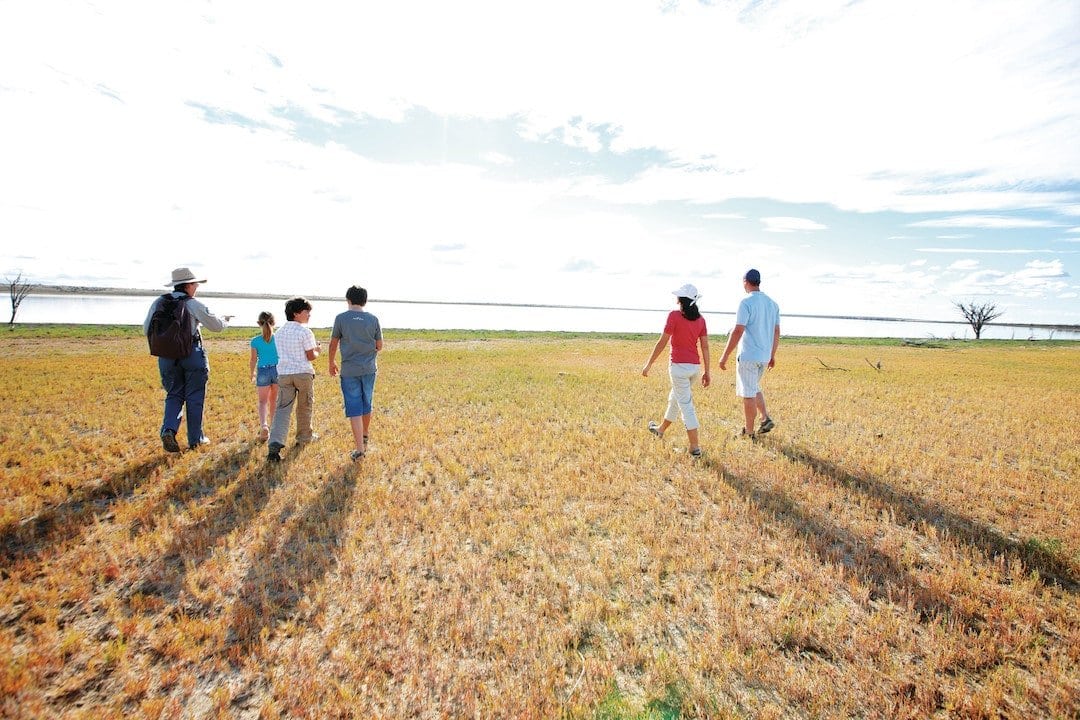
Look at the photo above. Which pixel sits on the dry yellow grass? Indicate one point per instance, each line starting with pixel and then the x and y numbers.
pixel 904 544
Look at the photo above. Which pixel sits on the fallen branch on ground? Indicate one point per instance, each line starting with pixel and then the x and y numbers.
pixel 829 367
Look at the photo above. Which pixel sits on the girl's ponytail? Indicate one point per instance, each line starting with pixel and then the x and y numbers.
pixel 266 322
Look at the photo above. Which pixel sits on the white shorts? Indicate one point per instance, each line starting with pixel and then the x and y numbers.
pixel 748 378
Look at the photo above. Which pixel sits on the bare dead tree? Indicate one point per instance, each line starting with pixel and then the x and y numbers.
pixel 978 314
pixel 19 289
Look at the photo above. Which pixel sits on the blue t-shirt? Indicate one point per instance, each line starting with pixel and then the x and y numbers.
pixel 760 315
pixel 357 331
pixel 267 351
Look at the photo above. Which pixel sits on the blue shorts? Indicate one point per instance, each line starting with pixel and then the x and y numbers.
pixel 266 375
pixel 357 392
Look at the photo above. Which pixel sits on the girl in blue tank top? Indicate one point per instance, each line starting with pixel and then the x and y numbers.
pixel 264 360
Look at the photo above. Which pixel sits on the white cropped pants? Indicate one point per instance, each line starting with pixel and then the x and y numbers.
pixel 680 400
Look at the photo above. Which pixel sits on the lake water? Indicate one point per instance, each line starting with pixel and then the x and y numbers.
pixel 131 310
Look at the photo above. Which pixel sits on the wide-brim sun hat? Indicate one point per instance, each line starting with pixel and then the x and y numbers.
pixel 687 291
pixel 183 275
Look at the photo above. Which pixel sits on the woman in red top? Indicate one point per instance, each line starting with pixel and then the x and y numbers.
pixel 685 329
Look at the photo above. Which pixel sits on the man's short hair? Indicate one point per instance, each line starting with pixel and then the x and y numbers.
pixel 356 295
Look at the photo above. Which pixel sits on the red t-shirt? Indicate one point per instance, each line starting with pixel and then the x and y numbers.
pixel 684 337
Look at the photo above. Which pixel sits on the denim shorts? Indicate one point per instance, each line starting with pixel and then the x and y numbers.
pixel 266 375
pixel 357 392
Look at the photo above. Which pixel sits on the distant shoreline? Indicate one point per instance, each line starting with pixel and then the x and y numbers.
pixel 113 292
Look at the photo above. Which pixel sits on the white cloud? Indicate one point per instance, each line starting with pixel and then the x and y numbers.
pixel 985 221
pixel 1044 269
pixel 993 251
pixel 964 265
pixel 1036 279
pixel 790 224
pixel 497 158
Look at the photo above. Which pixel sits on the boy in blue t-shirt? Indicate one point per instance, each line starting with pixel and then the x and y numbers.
pixel 358 334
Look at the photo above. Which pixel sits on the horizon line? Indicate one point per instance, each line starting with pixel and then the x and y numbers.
pixel 95 290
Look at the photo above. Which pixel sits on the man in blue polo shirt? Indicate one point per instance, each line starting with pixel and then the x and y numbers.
pixel 757 334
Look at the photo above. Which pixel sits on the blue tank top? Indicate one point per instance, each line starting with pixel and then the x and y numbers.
pixel 267 351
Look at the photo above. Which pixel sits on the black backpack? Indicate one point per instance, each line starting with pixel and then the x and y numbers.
pixel 170 334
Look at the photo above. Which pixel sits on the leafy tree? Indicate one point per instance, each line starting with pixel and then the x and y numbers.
pixel 19 289
pixel 978 314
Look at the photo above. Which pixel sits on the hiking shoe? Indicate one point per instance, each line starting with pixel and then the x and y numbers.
pixel 696 452
pixel 743 435
pixel 356 455
pixel 655 429
pixel 168 441
pixel 274 455
pixel 264 434
pixel 766 425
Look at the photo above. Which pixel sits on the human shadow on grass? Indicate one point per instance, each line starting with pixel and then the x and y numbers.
pixel 55 524
pixel 886 578
pixel 200 481
pixel 281 572
pixel 194 542
pixel 912 509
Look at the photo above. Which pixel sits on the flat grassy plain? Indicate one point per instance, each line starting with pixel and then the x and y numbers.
pixel 905 543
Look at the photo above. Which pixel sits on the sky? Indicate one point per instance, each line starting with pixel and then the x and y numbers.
pixel 873 158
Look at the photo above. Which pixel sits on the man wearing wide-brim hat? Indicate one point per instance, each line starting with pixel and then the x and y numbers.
pixel 184 379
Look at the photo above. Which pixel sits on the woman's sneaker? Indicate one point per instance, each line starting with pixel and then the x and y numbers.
pixel 655 429
pixel 356 455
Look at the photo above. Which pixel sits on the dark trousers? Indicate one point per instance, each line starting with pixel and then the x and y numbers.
pixel 184 381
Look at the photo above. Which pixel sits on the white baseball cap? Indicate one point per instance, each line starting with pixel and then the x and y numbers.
pixel 687 291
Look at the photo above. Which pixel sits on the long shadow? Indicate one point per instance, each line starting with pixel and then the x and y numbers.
pixel 912 509
pixel 884 576
pixel 56 524
pixel 195 542
pixel 200 482
pixel 281 573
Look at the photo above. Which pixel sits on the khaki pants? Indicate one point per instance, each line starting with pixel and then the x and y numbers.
pixel 296 390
